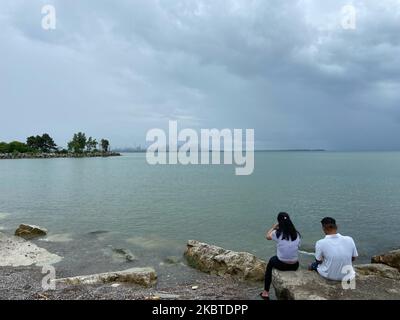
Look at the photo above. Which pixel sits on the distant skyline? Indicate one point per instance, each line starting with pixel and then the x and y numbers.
pixel 287 69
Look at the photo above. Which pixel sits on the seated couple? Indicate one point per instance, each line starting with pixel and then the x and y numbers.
pixel 332 253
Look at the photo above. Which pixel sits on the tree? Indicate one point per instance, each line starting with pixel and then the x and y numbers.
pixel 91 144
pixel 33 142
pixel 19 147
pixel 78 143
pixel 47 143
pixel 4 147
pixel 43 143
pixel 105 144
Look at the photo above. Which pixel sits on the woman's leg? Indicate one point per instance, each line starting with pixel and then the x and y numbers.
pixel 294 267
pixel 273 263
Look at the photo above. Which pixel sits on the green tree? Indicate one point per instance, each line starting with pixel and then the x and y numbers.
pixel 43 143
pixel 91 144
pixel 78 143
pixel 33 142
pixel 4 147
pixel 105 144
pixel 48 143
pixel 17 146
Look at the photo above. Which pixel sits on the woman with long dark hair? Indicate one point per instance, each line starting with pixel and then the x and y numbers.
pixel 287 238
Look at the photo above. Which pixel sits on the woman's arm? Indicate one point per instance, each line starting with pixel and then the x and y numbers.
pixel 270 231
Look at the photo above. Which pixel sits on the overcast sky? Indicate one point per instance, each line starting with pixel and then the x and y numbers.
pixel 288 69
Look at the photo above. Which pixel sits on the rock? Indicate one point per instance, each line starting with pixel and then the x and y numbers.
pixel 216 260
pixel 43 155
pixel 392 259
pixel 152 298
pixel 172 260
pixel 296 285
pixel 378 269
pixel 124 254
pixel 166 296
pixel 27 231
pixel 96 232
pixel 141 276
pixel 309 285
pixel 15 252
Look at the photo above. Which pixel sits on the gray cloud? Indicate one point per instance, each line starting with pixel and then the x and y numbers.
pixel 285 68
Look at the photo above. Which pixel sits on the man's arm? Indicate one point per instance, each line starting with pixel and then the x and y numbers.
pixel 319 257
pixel 355 253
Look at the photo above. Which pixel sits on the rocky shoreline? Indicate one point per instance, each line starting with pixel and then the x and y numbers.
pixel 21 277
pixel 222 274
pixel 378 280
pixel 24 283
pixel 52 155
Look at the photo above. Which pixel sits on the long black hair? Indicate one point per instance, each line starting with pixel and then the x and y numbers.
pixel 286 228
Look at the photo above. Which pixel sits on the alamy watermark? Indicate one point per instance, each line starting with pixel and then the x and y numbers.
pixel 349 279
pixel 48 281
pixel 49 20
pixel 349 17
pixel 188 147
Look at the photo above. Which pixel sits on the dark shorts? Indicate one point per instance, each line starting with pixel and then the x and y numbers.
pixel 314 266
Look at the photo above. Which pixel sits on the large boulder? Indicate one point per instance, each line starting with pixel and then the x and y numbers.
pixel 378 269
pixel 141 276
pixel 299 285
pixel 392 259
pixel 28 231
pixel 216 260
pixel 377 283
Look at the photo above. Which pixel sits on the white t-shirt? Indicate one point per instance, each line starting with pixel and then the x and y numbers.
pixel 287 251
pixel 336 252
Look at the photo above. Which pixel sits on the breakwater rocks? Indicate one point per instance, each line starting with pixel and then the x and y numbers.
pixel 391 258
pixel 378 280
pixel 372 282
pixel 57 155
pixel 216 260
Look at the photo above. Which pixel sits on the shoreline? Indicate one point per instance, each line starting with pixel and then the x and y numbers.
pixel 24 283
pixel 219 274
pixel 41 155
pixel 19 281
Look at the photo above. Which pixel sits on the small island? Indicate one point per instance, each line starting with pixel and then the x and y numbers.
pixel 44 147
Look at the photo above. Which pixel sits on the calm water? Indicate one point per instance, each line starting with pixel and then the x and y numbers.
pixel 154 210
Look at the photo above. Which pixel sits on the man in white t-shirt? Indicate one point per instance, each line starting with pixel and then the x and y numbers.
pixel 335 253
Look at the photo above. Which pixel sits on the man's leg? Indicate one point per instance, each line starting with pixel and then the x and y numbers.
pixel 314 266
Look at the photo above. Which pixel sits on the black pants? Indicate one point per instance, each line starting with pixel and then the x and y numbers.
pixel 314 266
pixel 274 262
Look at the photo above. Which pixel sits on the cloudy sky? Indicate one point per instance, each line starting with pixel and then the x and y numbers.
pixel 288 69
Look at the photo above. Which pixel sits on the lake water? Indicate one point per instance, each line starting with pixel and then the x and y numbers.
pixel 154 210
